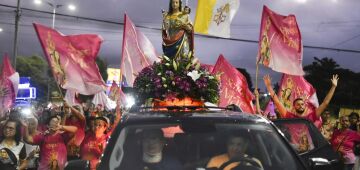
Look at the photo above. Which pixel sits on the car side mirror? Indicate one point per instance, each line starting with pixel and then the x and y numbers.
pixel 320 163
pixel 77 165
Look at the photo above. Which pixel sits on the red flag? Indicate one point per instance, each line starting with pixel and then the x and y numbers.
pixel 137 52
pixel 7 69
pixel 280 45
pixel 72 59
pixel 233 86
pixel 292 87
pixel 9 82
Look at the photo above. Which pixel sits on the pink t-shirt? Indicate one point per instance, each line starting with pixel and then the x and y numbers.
pixel 346 147
pixel 80 133
pixel 92 148
pixel 73 146
pixel 52 150
pixel 310 116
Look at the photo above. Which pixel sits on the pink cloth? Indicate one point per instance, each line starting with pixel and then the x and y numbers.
pixel 137 51
pixel 280 45
pixel 52 150
pixel 9 81
pixel 233 86
pixel 75 140
pixel 92 148
pixel 72 59
pixel 80 133
pixel 346 147
pixel 310 116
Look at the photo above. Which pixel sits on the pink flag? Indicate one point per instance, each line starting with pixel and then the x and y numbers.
pixel 292 87
pixel 280 46
pixel 137 52
pixel 9 82
pixel 72 59
pixel 233 86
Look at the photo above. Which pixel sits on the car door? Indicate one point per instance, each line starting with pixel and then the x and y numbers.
pixel 311 146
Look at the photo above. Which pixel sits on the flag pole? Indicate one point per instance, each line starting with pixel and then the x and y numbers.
pixel 256 75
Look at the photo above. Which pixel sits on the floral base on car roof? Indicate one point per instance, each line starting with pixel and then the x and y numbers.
pixel 176 79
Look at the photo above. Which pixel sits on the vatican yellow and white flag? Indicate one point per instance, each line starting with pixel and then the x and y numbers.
pixel 213 17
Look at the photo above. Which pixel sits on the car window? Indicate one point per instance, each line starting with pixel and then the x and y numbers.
pixel 201 145
pixel 298 135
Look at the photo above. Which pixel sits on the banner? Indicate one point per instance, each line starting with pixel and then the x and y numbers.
pixel 9 82
pixel 233 86
pixel 280 45
pixel 213 17
pixel 292 87
pixel 137 52
pixel 114 92
pixel 72 59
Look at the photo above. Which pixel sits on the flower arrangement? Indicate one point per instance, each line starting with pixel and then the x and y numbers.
pixel 176 79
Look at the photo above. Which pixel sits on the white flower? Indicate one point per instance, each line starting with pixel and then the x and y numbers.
pixel 194 75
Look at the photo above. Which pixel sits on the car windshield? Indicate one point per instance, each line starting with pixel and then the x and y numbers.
pixel 201 145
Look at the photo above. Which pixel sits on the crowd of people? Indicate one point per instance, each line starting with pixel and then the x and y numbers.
pixel 49 137
pixel 342 133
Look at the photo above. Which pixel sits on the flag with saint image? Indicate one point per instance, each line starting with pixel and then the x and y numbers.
pixel 280 44
pixel 9 82
pixel 233 86
pixel 72 59
pixel 293 87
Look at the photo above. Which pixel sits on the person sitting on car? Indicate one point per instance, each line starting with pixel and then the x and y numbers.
pixel 236 146
pixel 153 156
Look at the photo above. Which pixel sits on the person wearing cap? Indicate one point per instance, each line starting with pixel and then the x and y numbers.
pixel 94 142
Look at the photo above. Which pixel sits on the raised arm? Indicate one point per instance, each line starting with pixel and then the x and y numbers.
pixel 330 94
pixel 27 137
pixel 71 129
pixel 278 104
pixel 76 112
pixel 258 109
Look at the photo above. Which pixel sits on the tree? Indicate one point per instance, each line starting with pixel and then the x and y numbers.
pixel 41 76
pixel 102 68
pixel 319 73
pixel 37 69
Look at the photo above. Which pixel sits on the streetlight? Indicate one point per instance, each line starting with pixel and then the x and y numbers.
pixel 1 30
pixel 38 2
pixel 55 7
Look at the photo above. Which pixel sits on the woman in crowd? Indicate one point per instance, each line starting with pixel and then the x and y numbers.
pixel 343 140
pixel 13 152
pixel 52 144
pixel 32 151
pixel 95 141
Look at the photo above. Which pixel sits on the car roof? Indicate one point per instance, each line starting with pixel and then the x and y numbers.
pixel 206 114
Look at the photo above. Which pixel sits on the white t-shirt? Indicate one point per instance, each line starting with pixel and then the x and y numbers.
pixel 16 149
